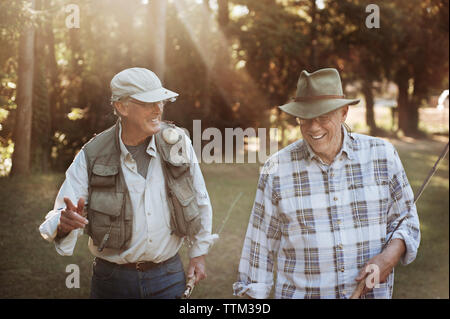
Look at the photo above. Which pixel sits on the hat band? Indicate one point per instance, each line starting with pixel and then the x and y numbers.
pixel 317 97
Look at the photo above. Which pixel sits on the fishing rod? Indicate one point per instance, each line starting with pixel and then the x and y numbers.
pixel 359 289
pixel 191 281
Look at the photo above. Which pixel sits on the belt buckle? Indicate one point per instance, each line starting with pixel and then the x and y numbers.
pixel 138 264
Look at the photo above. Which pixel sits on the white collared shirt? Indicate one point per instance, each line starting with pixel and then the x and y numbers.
pixel 151 239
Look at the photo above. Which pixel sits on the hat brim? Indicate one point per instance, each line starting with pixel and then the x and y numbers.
pixel 312 109
pixel 155 95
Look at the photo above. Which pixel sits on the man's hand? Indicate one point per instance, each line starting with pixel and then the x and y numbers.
pixel 385 262
pixel 71 218
pixel 197 267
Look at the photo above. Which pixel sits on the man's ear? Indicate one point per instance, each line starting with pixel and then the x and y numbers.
pixel 344 113
pixel 121 108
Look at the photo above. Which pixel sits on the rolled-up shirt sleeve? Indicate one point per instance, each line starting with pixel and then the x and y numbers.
pixel 75 186
pixel 261 244
pixel 402 206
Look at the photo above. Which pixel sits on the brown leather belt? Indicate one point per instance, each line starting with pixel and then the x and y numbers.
pixel 139 266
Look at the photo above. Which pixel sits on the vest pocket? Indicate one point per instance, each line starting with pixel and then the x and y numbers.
pixel 104 210
pixel 185 194
pixel 186 214
pixel 104 175
pixel 109 203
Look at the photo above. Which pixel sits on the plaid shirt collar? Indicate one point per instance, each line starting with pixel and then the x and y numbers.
pixel 306 151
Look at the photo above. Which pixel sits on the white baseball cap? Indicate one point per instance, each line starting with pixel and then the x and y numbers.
pixel 140 84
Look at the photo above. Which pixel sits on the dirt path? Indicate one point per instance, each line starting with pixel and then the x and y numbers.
pixel 436 143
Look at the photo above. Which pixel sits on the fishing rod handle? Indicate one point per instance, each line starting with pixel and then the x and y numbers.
pixel 359 289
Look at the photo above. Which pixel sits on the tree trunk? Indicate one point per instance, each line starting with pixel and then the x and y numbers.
pixel 313 58
pixel 221 70
pixel 413 122
pixel 75 47
pixel 40 129
pixel 55 87
pixel 22 129
pixel 158 16
pixel 402 101
pixel 224 13
pixel 205 37
pixel 419 93
pixel 370 115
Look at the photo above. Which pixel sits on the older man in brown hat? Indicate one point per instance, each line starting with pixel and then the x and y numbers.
pixel 326 205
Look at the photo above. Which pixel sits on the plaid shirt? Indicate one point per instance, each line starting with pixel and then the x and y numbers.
pixel 319 224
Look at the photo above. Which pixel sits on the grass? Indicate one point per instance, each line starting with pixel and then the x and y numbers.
pixel 31 268
pixel 428 275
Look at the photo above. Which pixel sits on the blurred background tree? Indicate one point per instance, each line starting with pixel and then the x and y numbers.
pixel 232 61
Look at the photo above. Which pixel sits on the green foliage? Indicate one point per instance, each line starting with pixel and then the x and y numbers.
pixel 13 16
pixel 274 44
pixel 229 74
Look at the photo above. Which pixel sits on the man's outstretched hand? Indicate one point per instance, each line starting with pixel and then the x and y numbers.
pixel 71 217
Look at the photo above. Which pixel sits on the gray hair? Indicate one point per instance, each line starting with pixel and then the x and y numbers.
pixel 123 100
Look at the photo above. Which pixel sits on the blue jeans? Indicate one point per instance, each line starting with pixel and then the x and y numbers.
pixel 165 281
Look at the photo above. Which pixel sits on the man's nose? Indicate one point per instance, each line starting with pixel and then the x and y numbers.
pixel 314 125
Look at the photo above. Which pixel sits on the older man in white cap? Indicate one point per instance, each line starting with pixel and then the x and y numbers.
pixel 326 205
pixel 141 200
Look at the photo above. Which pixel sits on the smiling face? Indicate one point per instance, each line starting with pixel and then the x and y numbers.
pixel 140 120
pixel 323 134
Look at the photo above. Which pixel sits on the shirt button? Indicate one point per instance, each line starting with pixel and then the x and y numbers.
pixel 332 174
pixel 335 199
pixel 340 246
pixel 150 240
pixel 342 269
pixel 339 221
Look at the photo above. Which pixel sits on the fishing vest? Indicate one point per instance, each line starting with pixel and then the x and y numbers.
pixel 109 209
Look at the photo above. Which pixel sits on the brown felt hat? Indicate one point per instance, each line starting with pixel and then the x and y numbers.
pixel 318 93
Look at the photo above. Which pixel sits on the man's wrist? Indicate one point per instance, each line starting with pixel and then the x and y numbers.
pixel 201 257
pixel 394 251
pixel 60 233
